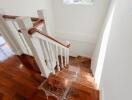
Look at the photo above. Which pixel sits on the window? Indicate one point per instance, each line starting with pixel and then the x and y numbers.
pixel 89 2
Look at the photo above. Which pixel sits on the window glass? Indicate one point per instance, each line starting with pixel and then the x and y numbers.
pixel 78 1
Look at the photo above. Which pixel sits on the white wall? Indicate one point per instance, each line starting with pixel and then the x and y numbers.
pixel 101 47
pixel 28 8
pixel 116 78
pixel 79 24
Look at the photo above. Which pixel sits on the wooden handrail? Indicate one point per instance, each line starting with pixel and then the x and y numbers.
pixel 38 22
pixel 35 24
pixel 52 38
pixel 14 17
pixel 32 30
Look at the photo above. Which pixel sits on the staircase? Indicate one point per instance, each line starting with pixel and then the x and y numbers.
pixel 28 35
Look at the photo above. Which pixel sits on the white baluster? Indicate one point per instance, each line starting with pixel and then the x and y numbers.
pixel 52 57
pixel 43 50
pixel 47 55
pixel 57 59
pixel 48 52
pixel 67 50
pixel 61 56
pixel 20 37
pixel 7 33
pixel 65 53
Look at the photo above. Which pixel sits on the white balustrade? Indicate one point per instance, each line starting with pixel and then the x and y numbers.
pixel 48 53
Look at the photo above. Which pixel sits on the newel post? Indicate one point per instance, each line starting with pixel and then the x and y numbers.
pixel 43 15
pixel 25 24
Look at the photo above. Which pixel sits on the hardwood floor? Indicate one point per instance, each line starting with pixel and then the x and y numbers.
pixel 20 82
pixel 17 82
pixel 84 87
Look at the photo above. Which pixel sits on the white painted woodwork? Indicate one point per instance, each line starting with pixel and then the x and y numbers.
pixel 47 53
pixel 65 55
pixel 9 30
pixel 19 38
pixel 52 51
pixel 24 24
pixel 45 50
pixel 61 56
pixel 43 15
pixel 57 59
pixel 7 33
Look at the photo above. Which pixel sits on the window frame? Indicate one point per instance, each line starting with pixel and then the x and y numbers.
pixel 78 3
